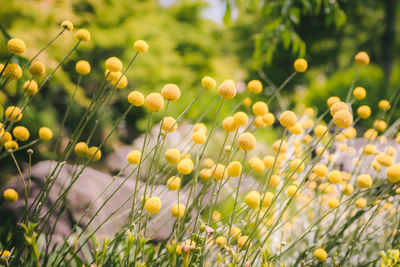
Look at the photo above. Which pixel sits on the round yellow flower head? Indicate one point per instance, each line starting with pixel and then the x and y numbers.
pixel 169 125
pixel 45 133
pixel 256 164
pixel 253 199
pixel 219 172
pixel 154 102
pixel 297 165
pixel 171 92
pixel 364 181
pixel 83 35
pixel 362 58
pixel 208 82
pixel 220 241
pixel 114 64
pixel 5 137
pixel 338 106
pixel 10 195
pixel 5 257
pixel 288 119
pixel 259 122
pixel 120 83
pixel 81 149
pixel 185 166
pixel 361 203
pixel 16 46
pixel 255 86
pixel 384 104
pixel 199 137
pixel 173 156
pixel 348 189
pixel 174 183
pixel 283 146
pixel 296 129
pixel 200 127
pixel 37 69
pixel 335 177
pixel 333 203
pixel 94 152
pixel 332 100
pixel 66 24
pixel 134 157
pixel 141 46
pixel 359 93
pixel 178 210
pixel 30 87
pixel 136 98
pixel 269 161
pixel 291 190
pixel 391 151
pixel 13 71
pixel 242 241
pixel 11 145
pixel 380 125
pixel 260 108
pixel 234 169
pixel 343 119
pixel 227 89
pixel 320 254
pixel 82 67
pixel 267 199
pixel 321 170
pixel 153 205
pixel 268 119
pixel 229 124
pixel 350 133
pixel 393 173
pixel 300 65
pixel 247 102
pixel 21 133
pixel 246 141
pixel 208 162
pixel 370 134
pixel 384 159
pixel 240 118
pixel 205 174
pixel 236 232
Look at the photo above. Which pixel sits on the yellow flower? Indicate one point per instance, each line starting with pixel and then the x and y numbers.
pixel 348 189
pixel 393 173
pixel 5 138
pixel 338 106
pixel 185 166
pixel 178 210
pixel 268 119
pixel 384 159
pixel 208 82
pixel 288 119
pixel 82 67
pixel 259 122
pixel 11 145
pixel 114 64
pixel 236 232
pixel 45 133
pixel 16 46
pixel 380 125
pixel 364 181
pixel 320 254
pixel 269 161
pixel 229 124
pixel 169 125
pixel 247 102
pixel 361 203
pixel 246 141
pixel 13 71
pixel 359 93
pixel 333 203
pixel 10 195
pixel 220 241
pixel 255 86
pixel 253 199
pixel 343 119
pixel 242 241
pixel 5 256
pixel 30 87
pixel 205 174
pixel 350 133
pixel 219 172
pixel 227 89
pixel 66 24
pixel 362 59
pixel 171 92
pixel 141 46
pixel 21 133
pixel 257 164
pixel 260 108
pixel 234 169
pixel 134 157
pixel 83 35
pixel 240 118
pixel 297 165
pixel 296 129
pixel 81 149
pixel 199 137
pixel 37 69
pixel 153 205
pixel 174 183
pixel 208 162
pixel 268 196
pixel 13 113
pixel 136 98
pixel 370 134
pixel 200 127
pixel 173 156
pixel 120 83
pixel 94 153
pixel 283 146
pixel 300 65
pixel 384 104
pixel 321 170
pixel 291 190
pixel 154 102
pixel 335 177
pixel 332 100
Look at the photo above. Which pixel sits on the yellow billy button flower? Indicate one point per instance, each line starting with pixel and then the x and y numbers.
pixel 208 162
pixel 364 181
pixel 246 141
pixel 247 102
pixel 335 177
pixel 120 83
pixel 114 64
pixel 185 166
pixel 321 170
pixel 260 108
pixel 240 118
pixel 288 119
pixel 171 92
pixel 236 232
pixel 83 35
pixel 332 100
pixel 220 241
pixel 141 46
pixel 200 127
pixel 172 156
pixel 361 203
pixel 174 183
pixel 362 58
pixel 208 82
pixel 16 46
pixel 253 199
pixel 333 203
pixel 255 86
pixel 364 111
pixel 320 254
pixel 82 67
pixel 219 172
pixel 134 157
pixel 136 98
pixel 229 124
pixel 94 152
pixel 227 89
pixel 13 113
pixel 178 210
pixel 199 137
pixel 5 256
pixel 297 165
pixel 393 173
pixel 5 137
pixel 243 241
pixel 169 125
pixel 66 24
pixel 277 144
pixel 234 169
pixel 291 190
pixel 11 145
pixel 154 102
pixel 13 71
pixel 21 133
pixel 343 119
pixel 359 93
pixel 296 129
pixel 37 69
pixel 81 149
pixel 275 180
pixel 10 195
pixel 153 205
pixel 384 104
pixel 380 125
pixel 300 65
pixel 45 133
pixel 30 87
pixel 348 189
pixel 268 119
pixel 256 164
pixel 268 196
pixel 338 106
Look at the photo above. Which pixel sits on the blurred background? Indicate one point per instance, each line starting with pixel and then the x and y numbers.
pixel 238 39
